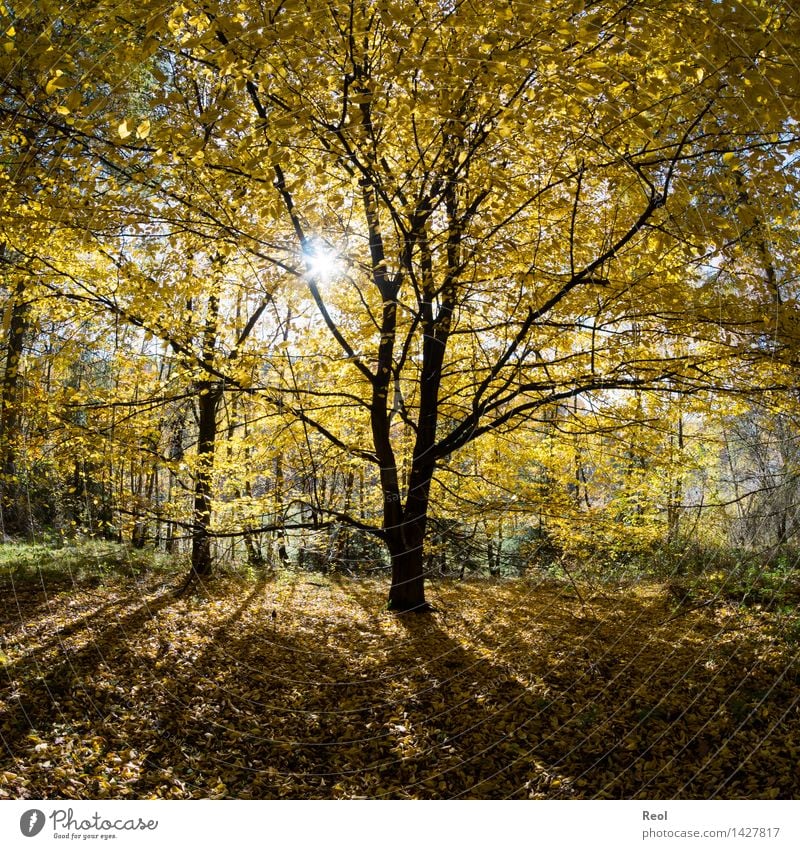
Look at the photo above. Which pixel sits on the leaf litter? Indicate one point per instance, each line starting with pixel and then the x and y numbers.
pixel 285 688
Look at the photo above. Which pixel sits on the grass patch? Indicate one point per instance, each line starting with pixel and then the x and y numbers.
pixel 78 562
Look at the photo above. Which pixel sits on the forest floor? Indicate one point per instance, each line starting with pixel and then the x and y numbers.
pixel 301 686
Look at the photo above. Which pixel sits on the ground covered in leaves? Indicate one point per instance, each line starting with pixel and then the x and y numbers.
pixel 304 687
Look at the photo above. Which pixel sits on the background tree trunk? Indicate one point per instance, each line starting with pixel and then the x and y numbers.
pixel 16 520
pixel 210 393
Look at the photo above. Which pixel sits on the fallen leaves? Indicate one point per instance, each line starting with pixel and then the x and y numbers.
pixel 512 690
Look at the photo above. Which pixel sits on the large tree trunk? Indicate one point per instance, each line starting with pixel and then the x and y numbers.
pixel 406 542
pixel 407 592
pixel 404 525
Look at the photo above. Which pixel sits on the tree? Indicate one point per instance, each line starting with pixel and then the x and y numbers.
pixel 506 200
pixel 510 193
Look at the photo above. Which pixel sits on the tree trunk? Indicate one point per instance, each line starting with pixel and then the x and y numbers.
pixel 280 514
pixel 139 534
pixel 176 436
pixel 14 510
pixel 407 592
pixel 255 558
pixel 404 525
pixel 406 542
pixel 252 544
pixel 492 554
pixel 206 440
pixel 209 395
pixel 676 489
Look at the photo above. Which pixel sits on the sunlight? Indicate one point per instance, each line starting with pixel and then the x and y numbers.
pixel 321 262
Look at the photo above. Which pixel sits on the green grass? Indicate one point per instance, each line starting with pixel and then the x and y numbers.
pixel 79 561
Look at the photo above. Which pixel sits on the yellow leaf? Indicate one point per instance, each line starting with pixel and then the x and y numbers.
pixel 123 130
pixel 57 82
pixel 143 130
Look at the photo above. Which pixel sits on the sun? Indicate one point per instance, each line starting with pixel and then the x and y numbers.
pixel 322 262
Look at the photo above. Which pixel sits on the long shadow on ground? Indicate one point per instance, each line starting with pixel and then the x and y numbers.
pixel 297 690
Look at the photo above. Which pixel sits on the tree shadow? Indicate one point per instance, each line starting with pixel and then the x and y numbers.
pixel 71 628
pixel 325 721
pixel 467 710
pixel 54 673
pixel 31 596
pixel 614 703
pixel 511 696
pixel 186 729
